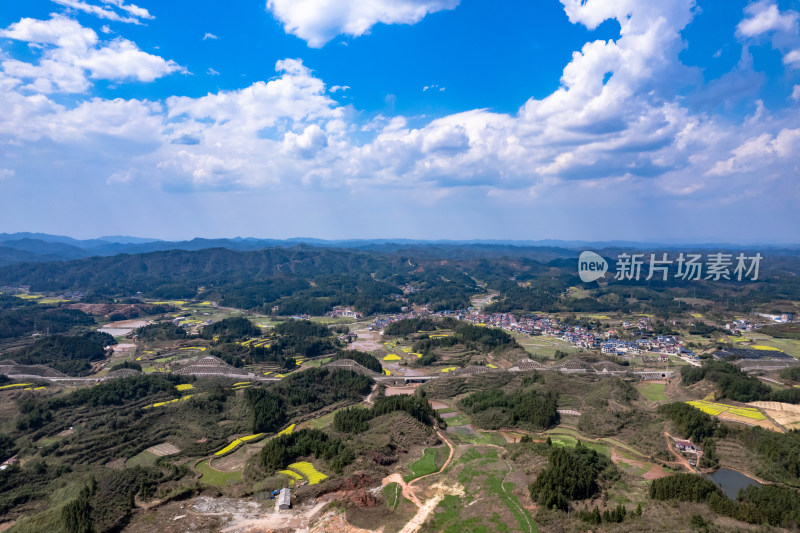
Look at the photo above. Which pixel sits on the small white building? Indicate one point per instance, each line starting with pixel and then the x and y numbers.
pixel 285 499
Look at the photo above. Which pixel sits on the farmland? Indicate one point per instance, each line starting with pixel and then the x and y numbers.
pixel 716 409
pixel 212 402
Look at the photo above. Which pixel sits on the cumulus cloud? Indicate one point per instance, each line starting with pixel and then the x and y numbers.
pixel 129 13
pixel 752 154
pixel 792 58
pixel 71 51
pixel 319 21
pixel 763 17
pixel 616 121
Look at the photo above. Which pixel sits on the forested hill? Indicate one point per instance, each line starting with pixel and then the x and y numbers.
pixel 217 266
pixel 312 280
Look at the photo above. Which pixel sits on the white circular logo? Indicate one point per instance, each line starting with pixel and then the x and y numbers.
pixel 591 266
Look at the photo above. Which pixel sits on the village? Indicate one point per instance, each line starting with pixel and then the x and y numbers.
pixel 609 341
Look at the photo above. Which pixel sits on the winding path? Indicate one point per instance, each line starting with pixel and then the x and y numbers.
pixel 423 509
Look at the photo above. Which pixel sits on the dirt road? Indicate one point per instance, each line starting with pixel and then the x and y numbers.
pixel 681 459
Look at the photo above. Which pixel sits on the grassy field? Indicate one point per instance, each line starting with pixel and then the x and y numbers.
pixel 568 441
pixel 143 458
pixel 788 346
pixel 653 391
pixel 391 493
pixel 316 363
pixel 459 420
pixel 321 422
pixel 543 346
pixel 334 320
pixel 217 478
pixel 432 459
pixel 480 438
pixel 482 474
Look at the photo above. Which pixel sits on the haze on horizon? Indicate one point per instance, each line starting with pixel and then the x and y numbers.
pixel 675 121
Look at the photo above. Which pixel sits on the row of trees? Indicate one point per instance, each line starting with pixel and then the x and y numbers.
pixel 269 409
pixel 160 331
pixel 356 419
pixel 692 423
pixel 735 384
pixel 230 329
pixel 71 355
pixel 365 359
pixel 316 388
pixel 571 474
pixel 528 408
pixel 765 504
pixel 20 318
pixel 285 449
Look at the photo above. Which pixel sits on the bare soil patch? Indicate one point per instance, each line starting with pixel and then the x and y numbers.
pixel 235 461
pixel 368 341
pixel 766 424
pixel 396 391
pixel 656 472
pixel 785 414
pixel 164 449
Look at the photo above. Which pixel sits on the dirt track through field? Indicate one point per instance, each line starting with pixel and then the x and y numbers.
pixel 423 510
pixel 681 459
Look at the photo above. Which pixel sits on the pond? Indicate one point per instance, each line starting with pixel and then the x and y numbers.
pixel 731 481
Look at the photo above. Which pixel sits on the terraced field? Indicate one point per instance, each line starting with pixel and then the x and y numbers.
pixel 235 444
pixel 716 409
pixel 309 472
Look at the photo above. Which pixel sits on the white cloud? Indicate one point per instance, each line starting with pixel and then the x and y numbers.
pixel 792 58
pixel 74 50
pixel 759 153
pixel 306 144
pixel 132 13
pixel 763 17
pixel 616 127
pixel 122 59
pixel 58 30
pixel 6 173
pixel 796 93
pixel 211 36
pixel 131 9
pixel 212 72
pixel 319 21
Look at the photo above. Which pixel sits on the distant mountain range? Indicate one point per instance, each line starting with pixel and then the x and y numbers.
pixel 42 247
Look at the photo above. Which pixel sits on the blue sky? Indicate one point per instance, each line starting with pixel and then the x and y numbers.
pixel 595 120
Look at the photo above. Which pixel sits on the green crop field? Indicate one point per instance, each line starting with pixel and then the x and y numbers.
pixel 217 478
pixel 432 459
pixel 653 391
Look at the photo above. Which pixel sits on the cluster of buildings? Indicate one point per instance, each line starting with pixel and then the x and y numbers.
pixel 580 336
pixel 340 311
pixel 381 322
pixel 780 319
pixel 740 325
